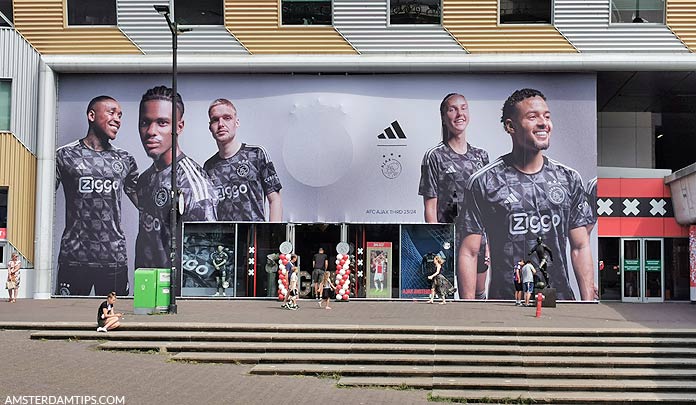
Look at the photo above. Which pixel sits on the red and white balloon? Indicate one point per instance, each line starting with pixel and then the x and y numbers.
pixel 282 277
pixel 342 277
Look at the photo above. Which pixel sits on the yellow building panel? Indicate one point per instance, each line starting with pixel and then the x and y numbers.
pixel 44 25
pixel 256 24
pixel 474 23
pixel 681 19
pixel 18 174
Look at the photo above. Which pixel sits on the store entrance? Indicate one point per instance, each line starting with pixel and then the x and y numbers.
pixel 307 239
pixel 642 275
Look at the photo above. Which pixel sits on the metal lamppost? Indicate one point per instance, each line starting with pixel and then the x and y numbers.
pixel 174 28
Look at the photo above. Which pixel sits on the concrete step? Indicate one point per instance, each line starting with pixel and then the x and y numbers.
pixel 436 359
pixel 157 325
pixel 567 397
pixel 453 341
pixel 265 347
pixel 379 370
pixel 522 384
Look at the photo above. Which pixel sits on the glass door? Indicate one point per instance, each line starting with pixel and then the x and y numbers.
pixel 630 270
pixel 653 264
pixel 642 275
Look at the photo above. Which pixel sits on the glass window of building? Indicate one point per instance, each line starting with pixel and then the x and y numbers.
pixel 3 211
pixel 638 11
pixel 6 18
pixel 90 12
pixel 5 104
pixel 199 12
pixel 306 12
pixel 415 12
pixel 525 11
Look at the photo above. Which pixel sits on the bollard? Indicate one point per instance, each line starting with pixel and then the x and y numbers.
pixel 539 298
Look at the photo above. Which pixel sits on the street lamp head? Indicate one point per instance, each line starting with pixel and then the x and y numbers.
pixel 162 9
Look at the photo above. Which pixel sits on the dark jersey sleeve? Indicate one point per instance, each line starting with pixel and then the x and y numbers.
pixel 131 180
pixel 470 219
pixel 270 180
pixel 203 210
pixel 59 168
pixel 428 180
pixel 580 211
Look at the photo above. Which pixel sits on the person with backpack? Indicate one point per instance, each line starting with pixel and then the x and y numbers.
pixel 527 272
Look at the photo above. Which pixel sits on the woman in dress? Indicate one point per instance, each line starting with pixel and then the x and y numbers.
pixel 13 277
pixel 440 284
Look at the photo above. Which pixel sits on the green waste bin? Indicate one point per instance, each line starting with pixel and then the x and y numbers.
pixel 163 290
pixel 144 292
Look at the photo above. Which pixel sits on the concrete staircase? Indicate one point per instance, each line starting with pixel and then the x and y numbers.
pixel 560 366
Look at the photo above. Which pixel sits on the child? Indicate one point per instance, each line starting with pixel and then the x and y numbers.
pixel 292 285
pixel 327 287
pixel 106 318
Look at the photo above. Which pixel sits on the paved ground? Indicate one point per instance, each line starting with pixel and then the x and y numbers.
pixel 75 368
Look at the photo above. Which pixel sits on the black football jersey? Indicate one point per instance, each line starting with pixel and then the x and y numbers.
pixel 93 183
pixel 514 208
pixel 591 190
pixel 242 183
pixel 444 174
pixel 152 247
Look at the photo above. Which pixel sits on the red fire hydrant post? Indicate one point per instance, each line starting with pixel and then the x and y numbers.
pixel 539 298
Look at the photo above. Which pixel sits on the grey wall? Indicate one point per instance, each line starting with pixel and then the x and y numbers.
pixel 625 139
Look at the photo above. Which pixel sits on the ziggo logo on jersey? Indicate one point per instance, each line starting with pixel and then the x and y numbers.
pixel 88 184
pixel 522 223
pixel 231 192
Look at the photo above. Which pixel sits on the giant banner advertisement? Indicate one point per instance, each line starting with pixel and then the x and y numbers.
pixel 505 167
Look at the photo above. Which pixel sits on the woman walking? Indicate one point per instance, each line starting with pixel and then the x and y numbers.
pixel 440 284
pixel 13 278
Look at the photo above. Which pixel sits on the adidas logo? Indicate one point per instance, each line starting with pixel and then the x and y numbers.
pixel 450 170
pixel 511 199
pixel 81 166
pixel 395 133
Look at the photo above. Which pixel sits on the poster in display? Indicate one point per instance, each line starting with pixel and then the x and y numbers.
pixel 395 149
pixel 379 255
pixel 419 245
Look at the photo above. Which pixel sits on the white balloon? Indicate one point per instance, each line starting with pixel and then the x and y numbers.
pixel 338 262
pixel 342 272
pixel 339 297
pixel 339 256
pixel 345 266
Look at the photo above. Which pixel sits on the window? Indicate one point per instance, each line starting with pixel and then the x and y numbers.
pixel 525 11
pixel 5 104
pixel 306 12
pixel 199 12
pixel 638 11
pixel 415 12
pixel 6 10
pixel 91 12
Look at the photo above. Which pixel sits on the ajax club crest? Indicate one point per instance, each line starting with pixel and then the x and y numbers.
pixel 117 165
pixel 161 197
pixel 556 194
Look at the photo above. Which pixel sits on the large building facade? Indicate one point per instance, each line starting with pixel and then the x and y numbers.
pixel 343 98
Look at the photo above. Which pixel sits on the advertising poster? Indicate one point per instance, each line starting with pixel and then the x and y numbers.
pixel 419 245
pixel 379 255
pixel 208 259
pixel 328 149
